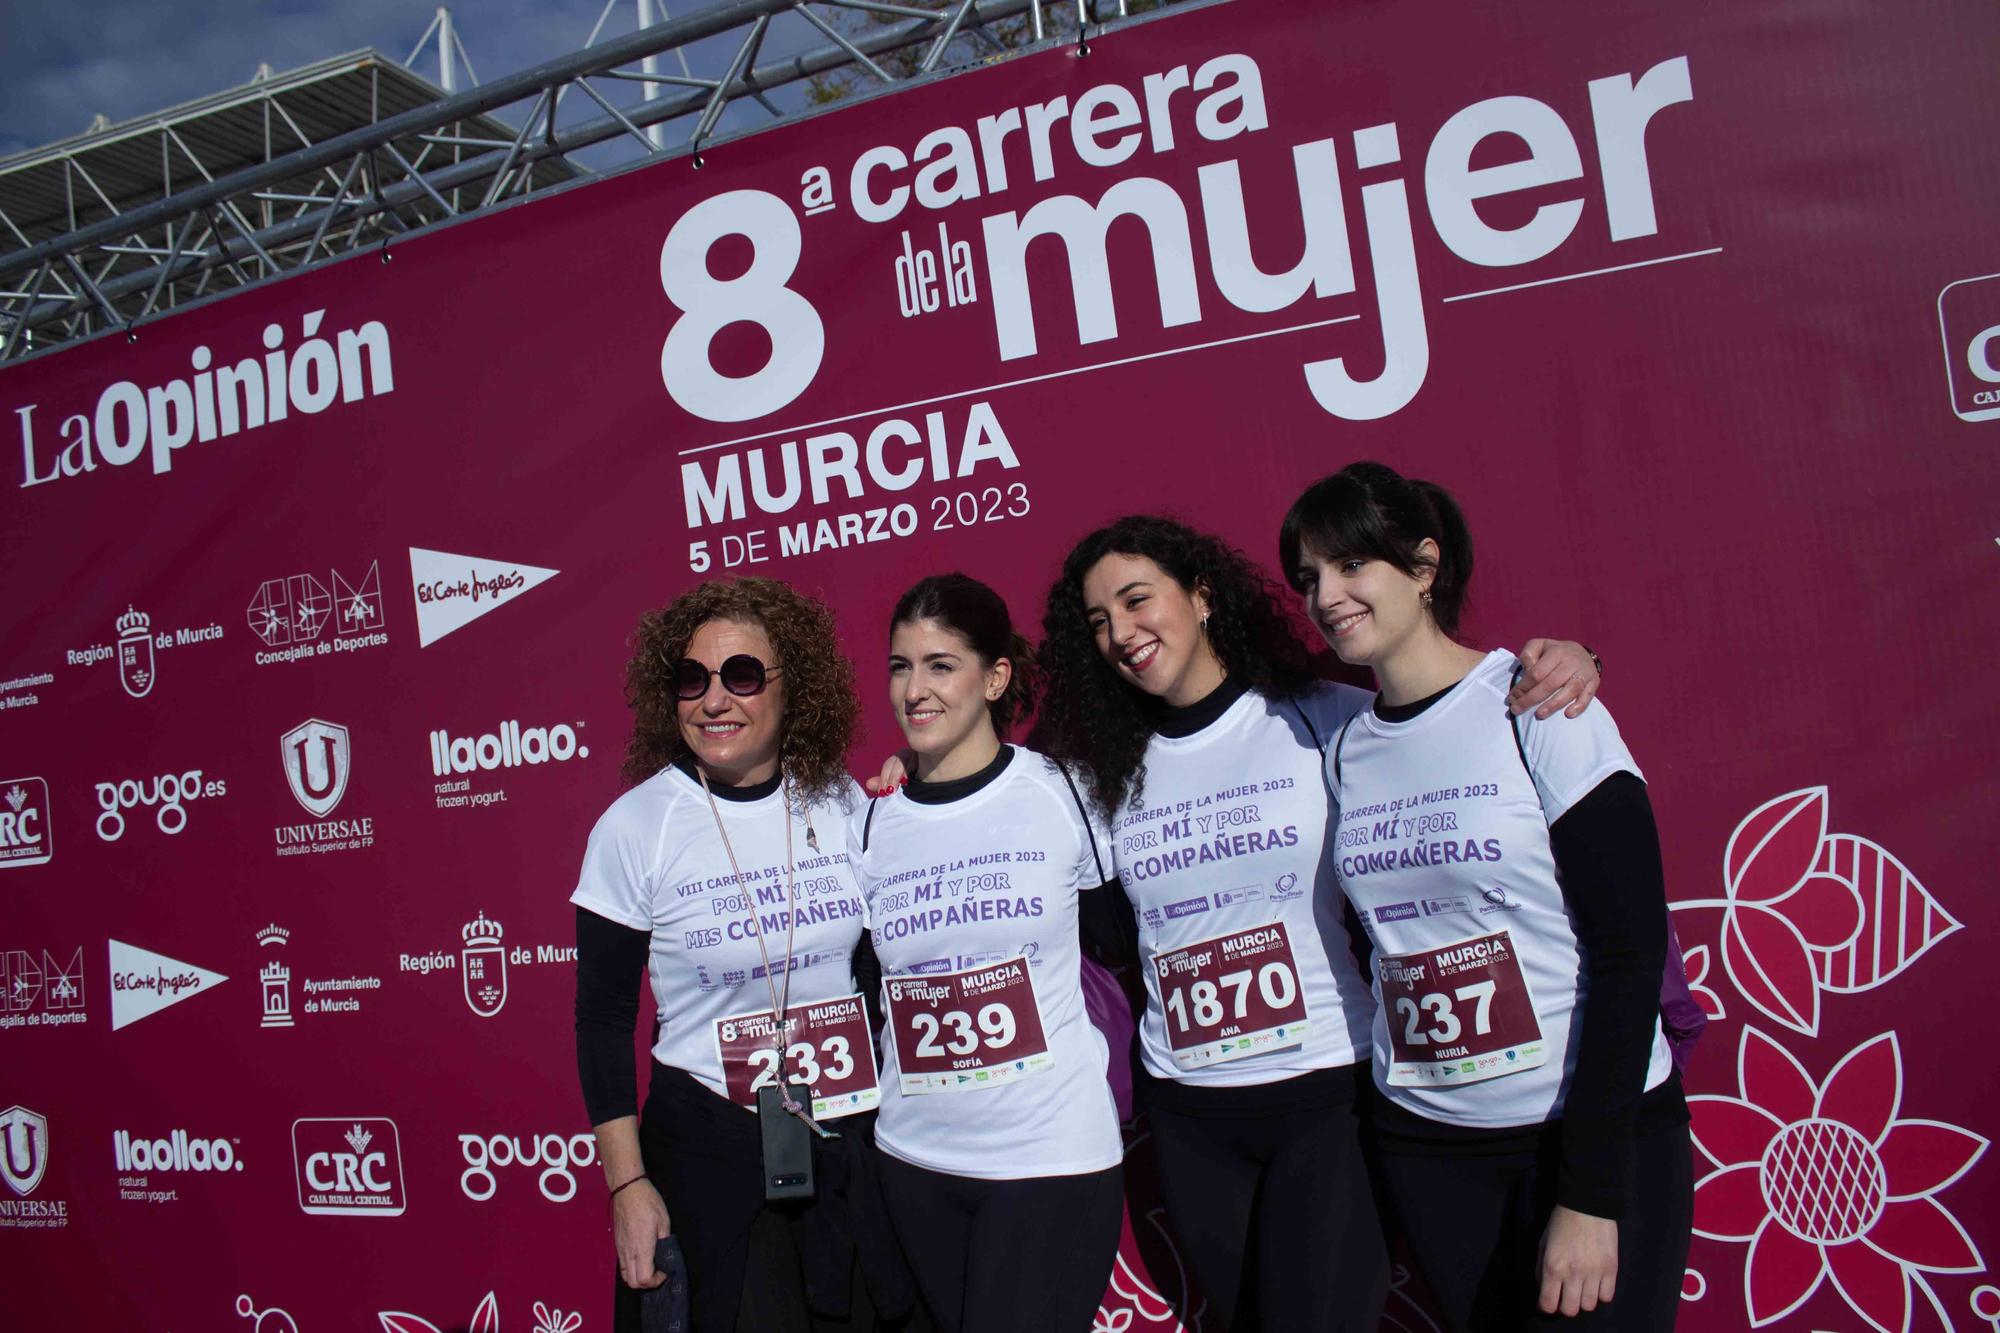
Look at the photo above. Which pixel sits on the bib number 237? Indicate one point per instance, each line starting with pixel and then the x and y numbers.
pixel 1460 1014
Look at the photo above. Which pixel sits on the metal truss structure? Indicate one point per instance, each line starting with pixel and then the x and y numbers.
pixel 425 157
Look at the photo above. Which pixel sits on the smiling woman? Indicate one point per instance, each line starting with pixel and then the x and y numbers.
pixel 998 1130
pixel 721 874
pixel 1173 677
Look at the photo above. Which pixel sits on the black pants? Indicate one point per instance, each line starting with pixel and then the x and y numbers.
pixel 1475 1226
pixel 1007 1256
pixel 1269 1198
pixel 828 1266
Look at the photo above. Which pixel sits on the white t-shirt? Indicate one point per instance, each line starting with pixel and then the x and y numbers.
pixel 1444 839
pixel 990 876
pixel 1227 837
pixel 656 863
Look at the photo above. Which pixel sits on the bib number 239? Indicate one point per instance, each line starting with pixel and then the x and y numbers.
pixel 1231 996
pixel 967 1031
pixel 1460 1014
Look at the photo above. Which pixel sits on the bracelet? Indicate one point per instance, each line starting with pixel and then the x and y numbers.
pixel 626 1186
pixel 1595 660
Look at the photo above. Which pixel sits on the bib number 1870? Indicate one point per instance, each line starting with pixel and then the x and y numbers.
pixel 1231 996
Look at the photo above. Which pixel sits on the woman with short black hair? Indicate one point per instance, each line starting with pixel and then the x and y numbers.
pixel 1531 1129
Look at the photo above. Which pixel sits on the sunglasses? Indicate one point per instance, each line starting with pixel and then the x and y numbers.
pixel 741 675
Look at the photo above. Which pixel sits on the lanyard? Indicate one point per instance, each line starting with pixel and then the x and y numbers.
pixel 780 1002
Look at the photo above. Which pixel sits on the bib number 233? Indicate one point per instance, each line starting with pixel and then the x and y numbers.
pixel 827 1047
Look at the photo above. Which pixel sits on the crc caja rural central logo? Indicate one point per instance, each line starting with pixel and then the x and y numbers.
pixel 349 1164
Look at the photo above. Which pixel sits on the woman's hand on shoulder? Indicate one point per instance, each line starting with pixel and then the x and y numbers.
pixel 639 1223
pixel 1556 674
pixel 896 770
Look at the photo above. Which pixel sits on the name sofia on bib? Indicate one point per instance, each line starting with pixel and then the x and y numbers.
pixel 655 862
pixel 1443 837
pixel 1249 975
pixel 971 890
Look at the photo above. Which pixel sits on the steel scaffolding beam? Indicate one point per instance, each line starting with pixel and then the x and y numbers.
pixel 380 182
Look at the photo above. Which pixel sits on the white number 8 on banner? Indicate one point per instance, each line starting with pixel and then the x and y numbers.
pixel 757 296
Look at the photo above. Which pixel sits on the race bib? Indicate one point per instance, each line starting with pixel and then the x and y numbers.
pixel 827 1046
pixel 1459 1014
pixel 967 1031
pixel 1232 996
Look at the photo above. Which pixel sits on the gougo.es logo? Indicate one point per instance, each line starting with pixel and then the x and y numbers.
pixel 166 795
pixel 552 1152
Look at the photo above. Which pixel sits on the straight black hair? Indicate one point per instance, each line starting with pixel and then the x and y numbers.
pixel 1373 512
pixel 977 614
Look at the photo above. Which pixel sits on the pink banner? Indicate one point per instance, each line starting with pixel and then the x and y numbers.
pixel 310 689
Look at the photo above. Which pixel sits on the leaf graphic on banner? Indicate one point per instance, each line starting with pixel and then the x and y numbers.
pixel 396 1321
pixel 1768 960
pixel 486 1319
pixel 1775 846
pixel 1695 961
pixel 1900 921
pixel 1825 909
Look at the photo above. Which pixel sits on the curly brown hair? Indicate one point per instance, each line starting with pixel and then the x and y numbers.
pixel 820 710
pixel 1092 716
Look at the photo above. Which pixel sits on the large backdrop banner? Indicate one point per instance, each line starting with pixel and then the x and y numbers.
pixel 320 596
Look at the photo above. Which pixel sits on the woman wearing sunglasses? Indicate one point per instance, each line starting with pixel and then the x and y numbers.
pixel 1175 678
pixel 1001 1150
pixel 1532 1133
pixel 722 873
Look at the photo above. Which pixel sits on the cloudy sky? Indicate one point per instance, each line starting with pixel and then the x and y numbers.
pixel 64 61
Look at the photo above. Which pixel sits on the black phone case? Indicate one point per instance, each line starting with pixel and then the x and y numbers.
pixel 788 1160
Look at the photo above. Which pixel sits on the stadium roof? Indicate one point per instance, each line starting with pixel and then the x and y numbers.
pixel 51 191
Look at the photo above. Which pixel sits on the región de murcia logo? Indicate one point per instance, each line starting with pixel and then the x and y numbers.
pixel 138 648
pixel 482 962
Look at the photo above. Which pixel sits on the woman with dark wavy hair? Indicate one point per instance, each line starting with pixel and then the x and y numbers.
pixel 722 873
pixel 1175 679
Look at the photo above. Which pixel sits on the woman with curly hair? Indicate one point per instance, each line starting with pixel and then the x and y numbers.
pixel 722 873
pixel 1175 679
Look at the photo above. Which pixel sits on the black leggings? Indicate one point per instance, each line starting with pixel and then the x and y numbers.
pixel 771 1268
pixel 1007 1256
pixel 1271 1205
pixel 1475 1226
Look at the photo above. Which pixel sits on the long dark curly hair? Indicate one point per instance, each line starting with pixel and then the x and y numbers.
pixel 820 710
pixel 1092 716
